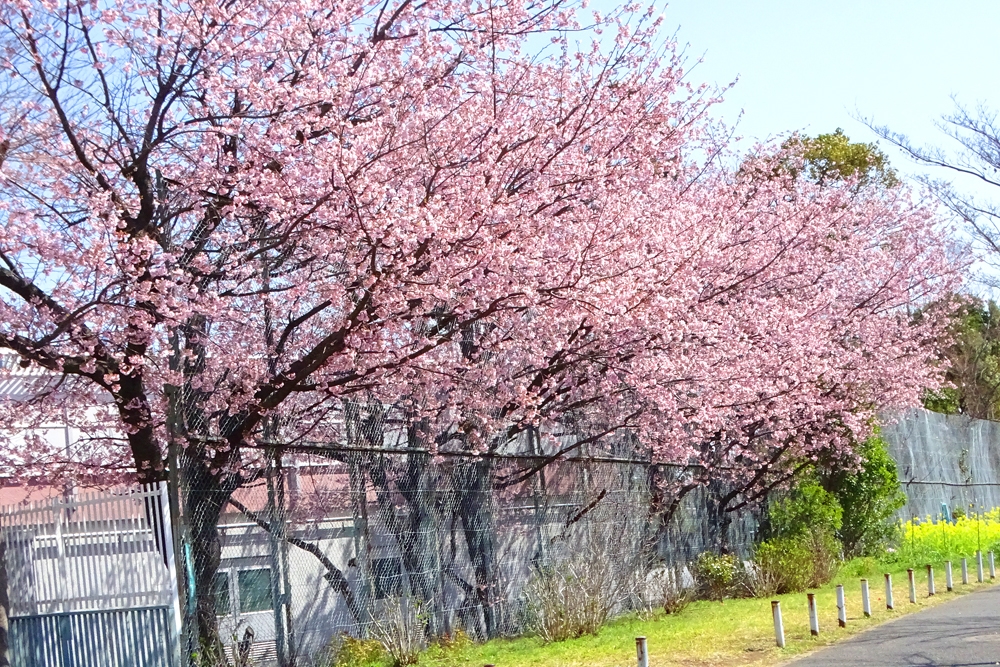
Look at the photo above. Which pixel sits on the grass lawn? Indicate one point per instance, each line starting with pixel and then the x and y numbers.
pixel 732 633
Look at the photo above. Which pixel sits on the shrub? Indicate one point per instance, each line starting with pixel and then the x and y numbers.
pixel 665 590
pixel 807 519
pixel 792 564
pixel 784 564
pixel 842 513
pixel 209 656
pixel 825 550
pixel 400 630
pixel 448 647
pixel 716 575
pixel 571 599
pixel 242 648
pixel 603 571
pixel 348 651
pixel 760 582
pixel 807 509
pixel 870 498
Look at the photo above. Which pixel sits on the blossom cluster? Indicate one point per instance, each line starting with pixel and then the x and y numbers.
pixel 228 220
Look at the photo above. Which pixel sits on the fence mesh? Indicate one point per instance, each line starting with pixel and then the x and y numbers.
pixel 945 462
pixel 371 535
pixel 376 535
pixel 334 541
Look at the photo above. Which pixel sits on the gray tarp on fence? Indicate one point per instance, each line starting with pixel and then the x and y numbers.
pixel 945 459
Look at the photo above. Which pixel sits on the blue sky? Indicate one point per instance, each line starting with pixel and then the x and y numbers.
pixel 810 65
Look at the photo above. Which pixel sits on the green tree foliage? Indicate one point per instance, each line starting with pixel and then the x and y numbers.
pixel 869 498
pixel 834 157
pixel 805 521
pixel 970 355
pixel 808 508
pixel 832 512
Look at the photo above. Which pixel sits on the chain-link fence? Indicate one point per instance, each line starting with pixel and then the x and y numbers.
pixel 368 542
pixel 363 535
pixel 379 535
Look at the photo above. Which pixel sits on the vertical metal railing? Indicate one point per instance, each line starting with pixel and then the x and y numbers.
pixel 91 579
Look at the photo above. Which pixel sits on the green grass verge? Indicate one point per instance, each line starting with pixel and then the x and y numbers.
pixel 732 633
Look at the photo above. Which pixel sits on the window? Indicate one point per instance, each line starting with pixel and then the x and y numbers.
pixel 388 578
pixel 255 590
pixel 220 588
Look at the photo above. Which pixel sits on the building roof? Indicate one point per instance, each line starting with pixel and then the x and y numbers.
pixel 20 383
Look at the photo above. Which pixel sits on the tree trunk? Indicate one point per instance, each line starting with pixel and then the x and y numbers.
pixel 720 517
pixel 418 538
pixel 414 530
pixel 206 496
pixel 473 486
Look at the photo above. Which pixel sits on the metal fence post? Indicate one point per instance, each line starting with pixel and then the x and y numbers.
pixel 641 653
pixel 993 567
pixel 913 586
pixel 779 627
pixel 4 608
pixel 58 516
pixel 275 539
pixel 168 518
pixel 979 566
pixel 888 591
pixel 813 614
pixel 965 571
pixel 841 607
pixel 948 583
pixel 930 580
pixel 866 605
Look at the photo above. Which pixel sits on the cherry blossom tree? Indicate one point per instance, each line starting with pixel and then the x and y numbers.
pixel 226 216
pixel 222 221
pixel 821 285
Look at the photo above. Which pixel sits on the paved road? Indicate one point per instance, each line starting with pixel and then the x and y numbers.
pixel 961 633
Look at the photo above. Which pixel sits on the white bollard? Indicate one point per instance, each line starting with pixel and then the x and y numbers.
pixel 913 586
pixel 930 580
pixel 779 627
pixel 640 651
pixel 813 615
pixel 948 583
pixel 866 605
pixel 888 591
pixel 841 607
pixel 979 566
pixel 993 567
pixel 965 571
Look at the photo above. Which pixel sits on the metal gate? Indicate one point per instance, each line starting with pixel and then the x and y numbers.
pixel 119 638
pixel 91 581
